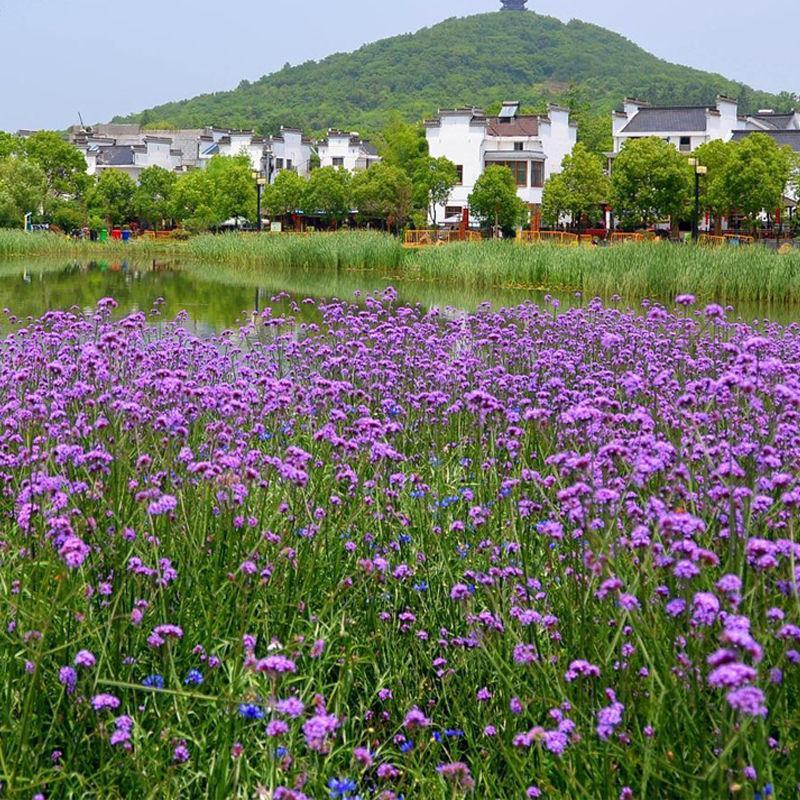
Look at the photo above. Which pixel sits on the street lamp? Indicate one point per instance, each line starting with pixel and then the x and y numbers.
pixel 261 182
pixel 699 171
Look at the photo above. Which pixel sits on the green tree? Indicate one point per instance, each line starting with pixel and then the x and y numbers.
pixel 286 195
pixel 383 191
pixel 23 188
pixel 402 145
pixel 651 181
pixel 111 197
pixel 580 188
pixel 9 144
pixel 756 176
pixel 233 187
pixel 495 201
pixel 152 202
pixel 329 194
pixel 594 127
pixel 193 201
pixel 63 165
pixel 67 214
pixel 555 200
pixel 715 156
pixel 433 184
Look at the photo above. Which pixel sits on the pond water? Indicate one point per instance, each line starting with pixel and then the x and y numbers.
pixel 217 297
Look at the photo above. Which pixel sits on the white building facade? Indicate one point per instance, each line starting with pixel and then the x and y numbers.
pixel 531 146
pixel 685 127
pixel 268 154
pixel 346 151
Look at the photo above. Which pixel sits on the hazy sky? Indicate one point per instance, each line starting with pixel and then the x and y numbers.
pixel 107 57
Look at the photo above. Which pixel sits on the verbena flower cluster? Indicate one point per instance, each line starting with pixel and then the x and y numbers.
pixel 401 552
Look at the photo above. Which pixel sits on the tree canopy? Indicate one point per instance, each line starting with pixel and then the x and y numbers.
pixel 329 194
pixel 756 175
pixel 495 201
pixel 650 182
pixel 383 191
pixel 578 190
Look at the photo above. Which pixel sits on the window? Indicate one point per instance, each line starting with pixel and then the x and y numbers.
pixel 686 144
pixel 519 146
pixel 519 169
pixel 338 161
pixel 288 163
pixel 537 173
pixel 460 174
pixel 278 163
pixel 452 211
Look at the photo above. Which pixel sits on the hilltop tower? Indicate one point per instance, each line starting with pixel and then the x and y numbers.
pixel 514 5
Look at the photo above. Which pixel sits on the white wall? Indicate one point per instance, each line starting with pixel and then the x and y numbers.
pixel 466 142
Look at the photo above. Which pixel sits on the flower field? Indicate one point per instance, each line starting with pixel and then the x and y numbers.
pixel 400 553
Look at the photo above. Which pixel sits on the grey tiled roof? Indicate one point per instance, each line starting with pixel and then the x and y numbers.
pixel 115 156
pixel 679 119
pixel 790 138
pixel 777 122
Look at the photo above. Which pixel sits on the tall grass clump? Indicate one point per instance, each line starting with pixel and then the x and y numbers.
pixel 339 250
pixel 396 553
pixel 41 243
pixel 745 274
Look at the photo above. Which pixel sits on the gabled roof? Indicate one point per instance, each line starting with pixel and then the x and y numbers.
pixel 668 119
pixel 773 121
pixel 783 138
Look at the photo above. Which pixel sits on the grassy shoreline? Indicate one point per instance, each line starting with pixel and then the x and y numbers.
pixel 731 275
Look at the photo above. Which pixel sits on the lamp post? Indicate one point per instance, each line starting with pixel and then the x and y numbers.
pixel 261 182
pixel 699 171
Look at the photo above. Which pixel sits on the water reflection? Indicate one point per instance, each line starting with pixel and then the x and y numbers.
pixel 217 297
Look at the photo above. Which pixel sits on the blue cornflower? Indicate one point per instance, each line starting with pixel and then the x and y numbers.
pixel 406 746
pixel 422 586
pixel 454 732
pixel 437 737
pixel 194 676
pixel 251 711
pixel 404 538
pixel 280 752
pixel 341 787
pixel 153 682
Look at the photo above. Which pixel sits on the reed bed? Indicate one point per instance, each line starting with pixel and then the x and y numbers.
pixel 18 243
pixel 731 275
pixel 345 249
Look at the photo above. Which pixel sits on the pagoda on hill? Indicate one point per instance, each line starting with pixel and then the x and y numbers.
pixel 514 5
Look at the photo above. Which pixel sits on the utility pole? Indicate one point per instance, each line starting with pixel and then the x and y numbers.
pixel 699 170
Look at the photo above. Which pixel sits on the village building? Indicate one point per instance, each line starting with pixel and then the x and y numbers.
pixel 290 150
pixel 347 151
pixel 686 127
pixel 154 151
pixel 531 146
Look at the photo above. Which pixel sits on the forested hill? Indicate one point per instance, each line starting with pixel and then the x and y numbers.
pixel 478 60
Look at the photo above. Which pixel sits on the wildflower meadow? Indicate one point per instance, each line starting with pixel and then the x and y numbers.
pixel 401 552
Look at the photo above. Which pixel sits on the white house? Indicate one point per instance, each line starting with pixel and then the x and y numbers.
pixel 102 154
pixel 186 142
pixel 290 150
pixel 346 150
pixel 686 127
pixel 531 146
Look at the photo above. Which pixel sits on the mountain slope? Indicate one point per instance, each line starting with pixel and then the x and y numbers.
pixel 478 60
